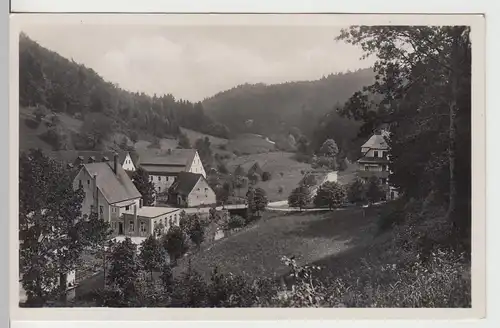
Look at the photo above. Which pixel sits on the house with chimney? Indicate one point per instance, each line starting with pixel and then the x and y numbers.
pixel 375 161
pixel 164 168
pixel 109 191
pixel 75 158
pixel 191 190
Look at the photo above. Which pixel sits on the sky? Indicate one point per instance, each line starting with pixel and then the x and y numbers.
pixel 195 62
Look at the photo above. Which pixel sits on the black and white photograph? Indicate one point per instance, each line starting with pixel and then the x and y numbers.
pixel 245 165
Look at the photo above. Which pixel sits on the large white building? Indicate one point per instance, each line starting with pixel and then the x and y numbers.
pixel 163 169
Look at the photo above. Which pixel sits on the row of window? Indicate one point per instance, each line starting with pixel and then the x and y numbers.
pixel 383 154
pixel 375 168
pixel 159 178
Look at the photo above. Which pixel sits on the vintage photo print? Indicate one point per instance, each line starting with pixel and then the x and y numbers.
pixel 239 166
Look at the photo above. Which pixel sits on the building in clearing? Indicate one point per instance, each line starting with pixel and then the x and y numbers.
pixel 374 161
pixel 191 190
pixel 164 168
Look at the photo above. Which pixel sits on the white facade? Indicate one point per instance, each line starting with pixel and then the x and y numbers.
pixel 128 164
pixel 196 166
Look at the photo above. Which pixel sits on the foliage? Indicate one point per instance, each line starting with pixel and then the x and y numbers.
pixel 309 180
pixel 175 243
pixel 329 148
pixel 282 108
pixel 374 191
pixel 51 228
pixel 331 194
pixel 152 254
pixel 195 230
pixel 239 171
pixel 422 93
pixel 235 221
pixel 145 186
pixel 324 162
pixel 184 141
pixel 96 128
pixel 222 168
pixel 259 203
pixel 228 290
pixel 202 145
pixel 166 277
pixel 266 176
pixel 356 192
pixel 56 137
pixel 300 197
pixel 190 290
pixel 47 79
pixel 124 266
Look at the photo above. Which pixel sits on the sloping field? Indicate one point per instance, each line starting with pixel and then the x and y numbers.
pixel 275 163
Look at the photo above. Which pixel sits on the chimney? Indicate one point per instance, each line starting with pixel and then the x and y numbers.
pixel 115 163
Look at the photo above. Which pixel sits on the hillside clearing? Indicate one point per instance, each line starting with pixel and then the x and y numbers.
pixel 275 163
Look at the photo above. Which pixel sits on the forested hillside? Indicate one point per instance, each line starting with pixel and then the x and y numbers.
pixel 276 110
pixel 50 81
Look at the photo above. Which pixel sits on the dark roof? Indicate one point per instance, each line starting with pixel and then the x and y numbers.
pixel 374 160
pixel 115 187
pixel 163 169
pixel 76 157
pixel 174 157
pixel 185 183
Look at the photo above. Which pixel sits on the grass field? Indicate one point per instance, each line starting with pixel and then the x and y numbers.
pixel 246 144
pixel 275 163
pixel 310 237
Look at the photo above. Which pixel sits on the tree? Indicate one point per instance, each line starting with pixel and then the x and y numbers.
pixel 184 141
pixel 266 176
pixel 300 197
pixel 303 145
pixel 356 192
pixel 259 201
pixel 374 190
pixel 145 186
pixel 96 128
pixel 422 91
pixel 175 243
pixel 166 277
pixel 152 254
pixel 331 194
pixel 52 232
pixel 329 148
pixel 124 269
pixel 191 290
pixel 196 231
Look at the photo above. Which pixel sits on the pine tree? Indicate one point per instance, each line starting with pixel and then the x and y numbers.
pixel 142 182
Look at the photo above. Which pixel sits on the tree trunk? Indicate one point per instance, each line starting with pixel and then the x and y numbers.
pixel 62 287
pixel 452 202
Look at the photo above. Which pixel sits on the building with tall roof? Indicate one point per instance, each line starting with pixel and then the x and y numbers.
pixel 191 190
pixel 164 168
pixel 76 158
pixel 375 161
pixel 109 191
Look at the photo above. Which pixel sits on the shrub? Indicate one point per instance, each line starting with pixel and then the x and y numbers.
pixel 331 194
pixel 223 147
pixel 302 158
pixel 55 137
pixel 235 221
pixel 31 123
pixel 280 189
pixel 391 215
pixel 266 176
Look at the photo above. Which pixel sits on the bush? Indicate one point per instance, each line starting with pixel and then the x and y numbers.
pixel 391 215
pixel 223 147
pixel 266 176
pixel 54 137
pixel 302 158
pixel 235 222
pixel 31 123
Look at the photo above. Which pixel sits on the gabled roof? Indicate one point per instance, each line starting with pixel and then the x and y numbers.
pixel 377 141
pixel 174 157
pixel 185 183
pixel 115 187
pixel 76 157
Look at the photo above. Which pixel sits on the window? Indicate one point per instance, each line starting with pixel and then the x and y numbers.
pixel 101 209
pixel 166 178
pixel 127 207
pixel 143 227
pixel 159 189
pixel 159 178
pixel 79 183
pixel 131 226
pixel 151 178
pixel 384 154
pixel 206 189
pixel 88 182
pixel 367 168
pixel 375 153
